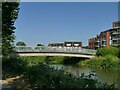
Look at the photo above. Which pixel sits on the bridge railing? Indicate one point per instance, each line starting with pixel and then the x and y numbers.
pixel 54 49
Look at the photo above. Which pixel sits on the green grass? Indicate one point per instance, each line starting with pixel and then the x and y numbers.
pixel 55 60
pixel 34 59
pixel 44 59
pixel 52 59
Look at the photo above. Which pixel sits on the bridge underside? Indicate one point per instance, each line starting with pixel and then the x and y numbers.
pixel 55 54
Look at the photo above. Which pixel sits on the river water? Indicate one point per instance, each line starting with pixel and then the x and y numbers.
pixel 103 75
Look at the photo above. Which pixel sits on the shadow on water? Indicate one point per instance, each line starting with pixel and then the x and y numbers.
pixel 47 59
pixel 63 60
pixel 72 60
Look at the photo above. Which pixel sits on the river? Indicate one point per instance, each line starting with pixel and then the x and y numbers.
pixel 103 75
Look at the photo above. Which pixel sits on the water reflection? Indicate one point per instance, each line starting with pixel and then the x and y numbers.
pixel 108 76
pixel 103 75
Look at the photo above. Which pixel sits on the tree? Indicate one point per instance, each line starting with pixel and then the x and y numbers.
pixel 40 45
pixel 9 15
pixel 20 44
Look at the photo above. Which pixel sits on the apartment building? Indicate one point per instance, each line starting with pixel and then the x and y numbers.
pixel 73 44
pixel 107 38
pixel 91 43
pixel 66 44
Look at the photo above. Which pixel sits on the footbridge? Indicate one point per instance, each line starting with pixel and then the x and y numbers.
pixel 54 51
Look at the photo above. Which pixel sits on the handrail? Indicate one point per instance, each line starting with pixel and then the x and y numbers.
pixel 54 49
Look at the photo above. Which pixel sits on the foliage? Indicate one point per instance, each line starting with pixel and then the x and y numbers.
pixel 72 60
pixel 42 76
pixel 14 64
pixel 20 43
pixel 40 45
pixel 9 15
pixel 53 59
pixel 108 58
pixel 107 51
pixel 108 61
pixel 43 59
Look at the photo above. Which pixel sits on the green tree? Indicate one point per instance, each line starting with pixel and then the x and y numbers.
pixel 40 45
pixel 9 15
pixel 20 44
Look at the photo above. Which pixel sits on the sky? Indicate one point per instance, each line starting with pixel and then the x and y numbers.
pixel 50 22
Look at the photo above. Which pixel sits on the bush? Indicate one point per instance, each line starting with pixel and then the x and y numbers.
pixel 107 51
pixel 42 76
pixel 108 61
pixel 13 66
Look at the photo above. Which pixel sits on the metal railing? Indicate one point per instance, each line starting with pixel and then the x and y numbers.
pixel 54 49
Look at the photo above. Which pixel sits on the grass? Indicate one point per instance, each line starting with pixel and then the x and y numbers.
pixel 34 59
pixel 52 59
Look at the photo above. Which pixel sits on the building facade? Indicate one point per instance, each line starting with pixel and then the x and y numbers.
pixel 66 44
pixel 107 38
pixel 73 44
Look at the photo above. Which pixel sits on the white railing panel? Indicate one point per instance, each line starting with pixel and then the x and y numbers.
pixel 54 49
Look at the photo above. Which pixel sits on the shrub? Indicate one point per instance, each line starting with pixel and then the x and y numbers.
pixel 14 66
pixel 107 51
pixel 42 76
pixel 108 61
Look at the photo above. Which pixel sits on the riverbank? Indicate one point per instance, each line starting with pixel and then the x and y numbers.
pixel 106 62
pixel 103 75
pixel 53 59
pixel 42 76
pixel 108 58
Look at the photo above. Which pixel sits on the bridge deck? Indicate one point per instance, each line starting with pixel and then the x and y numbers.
pixel 54 51
pixel 54 54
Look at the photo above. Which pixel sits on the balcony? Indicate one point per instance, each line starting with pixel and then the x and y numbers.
pixel 97 41
pixel 104 40
pixel 116 33
pixel 116 44
pixel 97 46
pixel 104 45
pixel 115 38
pixel 116 27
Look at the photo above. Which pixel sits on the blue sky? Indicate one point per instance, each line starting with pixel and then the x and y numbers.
pixel 40 22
